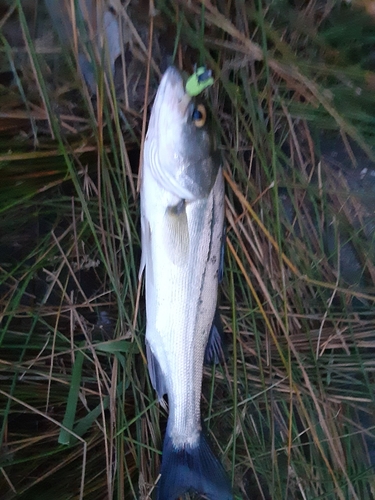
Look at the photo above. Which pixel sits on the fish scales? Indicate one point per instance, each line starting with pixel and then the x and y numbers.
pixel 182 212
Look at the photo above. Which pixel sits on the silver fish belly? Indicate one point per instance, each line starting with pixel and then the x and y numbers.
pixel 182 215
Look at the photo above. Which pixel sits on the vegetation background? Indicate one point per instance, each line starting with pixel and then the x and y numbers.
pixel 291 413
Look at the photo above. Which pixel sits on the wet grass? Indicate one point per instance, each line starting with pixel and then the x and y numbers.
pixel 291 412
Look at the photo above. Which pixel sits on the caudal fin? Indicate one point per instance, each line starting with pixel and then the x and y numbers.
pixel 194 469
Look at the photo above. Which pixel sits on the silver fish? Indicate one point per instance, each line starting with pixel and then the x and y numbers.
pixel 182 214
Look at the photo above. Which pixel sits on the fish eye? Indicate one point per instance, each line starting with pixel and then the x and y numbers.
pixel 199 116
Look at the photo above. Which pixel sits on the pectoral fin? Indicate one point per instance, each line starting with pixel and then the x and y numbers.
pixel 156 374
pixel 177 233
pixel 146 244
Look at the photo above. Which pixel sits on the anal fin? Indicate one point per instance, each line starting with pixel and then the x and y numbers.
pixel 216 351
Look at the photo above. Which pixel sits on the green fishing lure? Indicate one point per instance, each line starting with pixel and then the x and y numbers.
pixel 198 81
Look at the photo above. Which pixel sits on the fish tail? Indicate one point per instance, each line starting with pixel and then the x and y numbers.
pixel 192 468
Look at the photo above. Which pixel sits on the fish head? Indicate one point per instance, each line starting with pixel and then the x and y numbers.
pixel 178 146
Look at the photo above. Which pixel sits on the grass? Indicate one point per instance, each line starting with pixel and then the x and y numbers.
pixel 291 412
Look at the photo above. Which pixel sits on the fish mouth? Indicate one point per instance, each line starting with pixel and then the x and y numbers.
pixel 172 77
pixel 171 96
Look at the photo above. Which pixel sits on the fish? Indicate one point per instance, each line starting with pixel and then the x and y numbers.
pixel 182 220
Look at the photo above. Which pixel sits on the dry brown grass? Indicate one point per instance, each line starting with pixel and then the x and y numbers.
pixel 291 411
